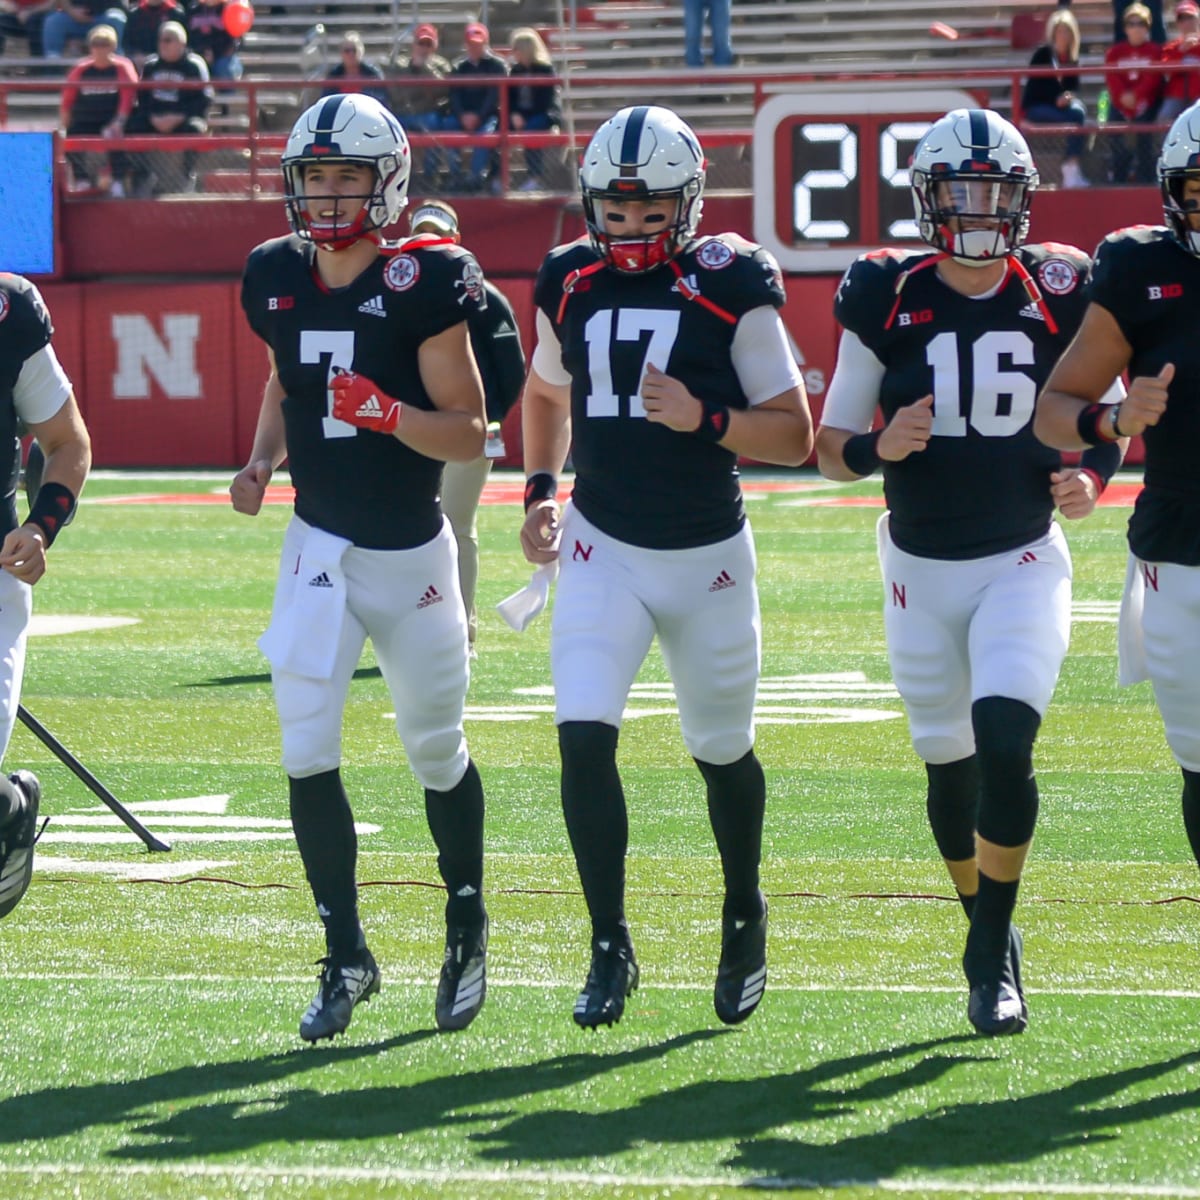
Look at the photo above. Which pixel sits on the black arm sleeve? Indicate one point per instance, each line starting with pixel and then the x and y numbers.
pixel 496 341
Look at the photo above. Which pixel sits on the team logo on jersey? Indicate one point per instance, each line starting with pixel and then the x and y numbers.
pixel 278 303
pixel 687 286
pixel 4 305
pixel 1034 313
pixel 402 272
pixel 715 255
pixel 1058 276
pixel 471 282
pixel 373 307
pixel 1164 291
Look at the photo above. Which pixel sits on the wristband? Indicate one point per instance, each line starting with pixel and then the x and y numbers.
pixel 51 510
pixel 714 421
pixel 541 485
pixel 860 453
pixel 1101 462
pixel 1094 423
pixel 1101 484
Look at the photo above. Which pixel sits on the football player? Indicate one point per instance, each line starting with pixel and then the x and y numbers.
pixel 951 343
pixel 1143 318
pixel 36 397
pixel 660 358
pixel 372 386
pixel 496 344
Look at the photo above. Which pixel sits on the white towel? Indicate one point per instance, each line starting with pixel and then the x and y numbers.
pixel 521 607
pixel 302 638
pixel 1131 643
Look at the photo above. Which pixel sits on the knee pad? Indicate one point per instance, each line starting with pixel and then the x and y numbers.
pixel 1005 731
pixel 586 746
pixel 438 760
pixel 952 805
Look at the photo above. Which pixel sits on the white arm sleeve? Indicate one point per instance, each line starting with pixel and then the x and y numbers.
pixel 762 355
pixel 42 387
pixel 547 354
pixel 853 392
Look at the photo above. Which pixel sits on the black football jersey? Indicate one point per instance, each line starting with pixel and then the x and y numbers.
pixel 981 486
pixel 1151 286
pixel 639 482
pixel 352 482
pixel 24 329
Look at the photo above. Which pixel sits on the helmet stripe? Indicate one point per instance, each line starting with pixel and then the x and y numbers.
pixel 322 142
pixel 980 140
pixel 632 140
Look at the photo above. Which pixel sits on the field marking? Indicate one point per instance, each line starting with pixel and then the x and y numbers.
pixel 592 1179
pixel 55 624
pixel 499 979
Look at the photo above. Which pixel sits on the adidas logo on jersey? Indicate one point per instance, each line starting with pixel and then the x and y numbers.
pixel 722 581
pixel 432 596
pixel 370 407
pixel 373 307
pixel 1032 311
pixel 321 580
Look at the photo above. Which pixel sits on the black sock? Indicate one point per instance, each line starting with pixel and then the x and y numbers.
pixel 456 822
pixel 952 805
pixel 593 804
pixel 967 902
pixel 737 799
pixel 1191 810
pixel 988 939
pixel 324 828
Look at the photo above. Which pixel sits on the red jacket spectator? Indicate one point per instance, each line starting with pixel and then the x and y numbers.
pixel 1134 92
pixel 92 97
pixel 1183 87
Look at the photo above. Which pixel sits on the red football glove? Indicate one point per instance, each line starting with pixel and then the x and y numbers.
pixel 360 402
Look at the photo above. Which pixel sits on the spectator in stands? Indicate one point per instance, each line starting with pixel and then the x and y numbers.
pixel 208 37
pixel 353 73
pixel 1154 15
pixel 141 31
pixel 1134 94
pixel 1183 86
pixel 95 102
pixel 169 109
pixel 475 109
pixel 24 19
pixel 532 106
pixel 1054 99
pixel 719 13
pixel 423 109
pixel 76 19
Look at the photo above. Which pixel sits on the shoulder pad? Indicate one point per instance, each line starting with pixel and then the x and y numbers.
pixel 867 291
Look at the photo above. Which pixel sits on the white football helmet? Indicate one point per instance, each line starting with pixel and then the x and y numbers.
pixel 643 153
pixel 1179 161
pixel 347 128
pixel 972 179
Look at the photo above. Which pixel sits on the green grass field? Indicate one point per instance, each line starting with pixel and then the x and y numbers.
pixel 149 1002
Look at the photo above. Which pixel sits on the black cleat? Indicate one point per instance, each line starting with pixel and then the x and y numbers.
pixel 462 987
pixel 612 977
pixel 343 985
pixel 997 1006
pixel 17 839
pixel 742 973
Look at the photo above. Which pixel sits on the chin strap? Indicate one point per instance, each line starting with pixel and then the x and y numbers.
pixel 690 293
pixel 1017 267
pixel 572 281
pixel 931 261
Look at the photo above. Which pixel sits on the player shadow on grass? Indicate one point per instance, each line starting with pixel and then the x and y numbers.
pixel 983 1133
pixel 265 677
pixel 725 1108
pixel 345 1112
pixel 70 1109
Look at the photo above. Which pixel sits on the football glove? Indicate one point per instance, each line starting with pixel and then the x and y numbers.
pixel 360 402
